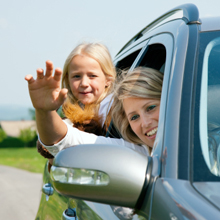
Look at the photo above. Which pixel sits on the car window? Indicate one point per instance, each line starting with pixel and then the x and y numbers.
pixel 210 106
pixel 154 57
pixel 127 62
pixel 206 146
pixel 207 153
pixel 158 55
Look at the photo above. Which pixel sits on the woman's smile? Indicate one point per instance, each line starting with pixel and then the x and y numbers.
pixel 152 132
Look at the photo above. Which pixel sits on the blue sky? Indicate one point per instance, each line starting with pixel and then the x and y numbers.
pixel 32 32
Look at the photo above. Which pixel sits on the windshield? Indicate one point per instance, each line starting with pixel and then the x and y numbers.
pixel 208 158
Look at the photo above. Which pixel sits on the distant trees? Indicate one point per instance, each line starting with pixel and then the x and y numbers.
pixel 27 136
pixel 2 135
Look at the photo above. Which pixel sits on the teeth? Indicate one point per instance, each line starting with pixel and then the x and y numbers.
pixel 152 132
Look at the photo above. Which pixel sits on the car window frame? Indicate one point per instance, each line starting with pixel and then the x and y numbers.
pixel 165 39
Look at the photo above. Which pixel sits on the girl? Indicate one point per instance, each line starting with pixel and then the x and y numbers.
pixel 135 112
pixel 88 74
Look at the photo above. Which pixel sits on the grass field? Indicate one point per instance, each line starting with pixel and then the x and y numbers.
pixel 23 158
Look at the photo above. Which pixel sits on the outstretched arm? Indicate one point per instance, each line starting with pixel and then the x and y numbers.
pixel 47 96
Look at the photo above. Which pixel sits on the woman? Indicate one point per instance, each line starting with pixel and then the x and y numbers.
pixel 135 113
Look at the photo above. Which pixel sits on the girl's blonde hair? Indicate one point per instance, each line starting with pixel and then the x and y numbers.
pixel 142 82
pixel 98 52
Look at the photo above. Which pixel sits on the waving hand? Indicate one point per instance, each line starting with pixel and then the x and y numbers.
pixel 45 91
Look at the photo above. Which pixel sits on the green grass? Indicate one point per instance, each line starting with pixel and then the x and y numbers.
pixel 23 158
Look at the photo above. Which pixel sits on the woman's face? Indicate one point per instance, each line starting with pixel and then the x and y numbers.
pixel 143 116
pixel 86 79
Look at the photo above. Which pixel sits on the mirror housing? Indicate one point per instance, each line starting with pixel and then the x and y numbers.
pixel 78 171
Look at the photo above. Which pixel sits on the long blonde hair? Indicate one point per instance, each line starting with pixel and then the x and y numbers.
pixel 98 52
pixel 142 82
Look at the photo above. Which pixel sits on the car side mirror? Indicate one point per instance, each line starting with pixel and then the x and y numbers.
pixel 110 174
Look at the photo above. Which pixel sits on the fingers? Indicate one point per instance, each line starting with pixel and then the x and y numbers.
pixel 49 68
pixel 29 78
pixel 62 96
pixel 40 73
pixel 57 74
pixel 49 72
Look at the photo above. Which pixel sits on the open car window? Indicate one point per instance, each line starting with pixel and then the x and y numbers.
pixel 123 64
pixel 154 57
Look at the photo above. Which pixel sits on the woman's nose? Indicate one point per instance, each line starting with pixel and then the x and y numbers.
pixel 145 121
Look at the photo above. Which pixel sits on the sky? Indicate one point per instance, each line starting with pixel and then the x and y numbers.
pixel 32 32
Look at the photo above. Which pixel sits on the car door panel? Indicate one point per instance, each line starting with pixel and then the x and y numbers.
pixel 53 206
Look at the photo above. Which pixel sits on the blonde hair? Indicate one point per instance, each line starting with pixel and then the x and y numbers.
pixel 142 82
pixel 98 52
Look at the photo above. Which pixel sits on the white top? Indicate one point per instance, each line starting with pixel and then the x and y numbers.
pixel 77 137
pixel 105 106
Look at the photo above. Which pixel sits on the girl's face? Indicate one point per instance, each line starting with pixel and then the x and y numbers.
pixel 143 116
pixel 86 79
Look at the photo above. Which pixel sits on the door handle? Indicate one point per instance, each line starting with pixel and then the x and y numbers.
pixel 69 214
pixel 48 190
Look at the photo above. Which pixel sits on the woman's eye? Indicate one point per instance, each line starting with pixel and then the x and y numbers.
pixel 134 117
pixel 151 107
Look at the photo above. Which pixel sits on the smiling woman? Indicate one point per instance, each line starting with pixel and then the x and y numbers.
pixel 138 122
pixel 143 118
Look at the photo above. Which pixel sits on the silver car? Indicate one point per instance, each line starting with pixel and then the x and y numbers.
pixel 181 179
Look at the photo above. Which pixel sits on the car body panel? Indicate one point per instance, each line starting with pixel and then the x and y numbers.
pixel 171 197
pixel 55 205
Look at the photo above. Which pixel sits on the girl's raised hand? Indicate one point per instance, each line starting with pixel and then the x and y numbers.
pixel 45 91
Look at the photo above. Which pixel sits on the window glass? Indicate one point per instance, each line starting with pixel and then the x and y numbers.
pixel 209 113
pixel 154 57
pixel 127 62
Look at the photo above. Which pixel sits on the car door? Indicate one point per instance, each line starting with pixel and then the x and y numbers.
pixel 52 204
pixel 166 51
pixel 181 188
